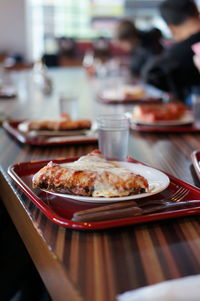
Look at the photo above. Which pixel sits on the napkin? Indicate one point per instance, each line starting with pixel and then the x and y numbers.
pixel 183 289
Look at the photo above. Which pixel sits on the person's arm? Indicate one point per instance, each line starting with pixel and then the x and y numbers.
pixel 140 56
pixel 158 71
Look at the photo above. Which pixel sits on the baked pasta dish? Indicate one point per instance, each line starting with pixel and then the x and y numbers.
pixel 159 112
pixel 91 175
pixel 126 92
pixel 62 124
pixel 133 92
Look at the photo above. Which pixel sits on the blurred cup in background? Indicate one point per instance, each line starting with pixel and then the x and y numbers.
pixel 68 104
pixel 113 135
pixel 196 106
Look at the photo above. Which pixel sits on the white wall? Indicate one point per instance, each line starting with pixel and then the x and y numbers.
pixel 13 27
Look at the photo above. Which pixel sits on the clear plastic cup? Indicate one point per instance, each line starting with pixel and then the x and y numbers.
pixel 113 136
pixel 68 104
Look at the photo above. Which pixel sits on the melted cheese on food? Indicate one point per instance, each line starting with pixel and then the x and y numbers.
pixel 97 164
pixel 100 165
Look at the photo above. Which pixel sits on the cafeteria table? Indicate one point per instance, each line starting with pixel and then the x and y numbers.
pixel 82 265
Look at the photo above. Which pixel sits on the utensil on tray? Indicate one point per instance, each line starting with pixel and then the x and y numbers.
pixel 134 208
pixel 34 133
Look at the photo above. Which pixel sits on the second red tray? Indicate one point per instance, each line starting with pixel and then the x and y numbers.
pixel 12 128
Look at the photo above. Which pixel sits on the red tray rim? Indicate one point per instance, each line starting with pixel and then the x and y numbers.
pixel 12 171
pixel 190 128
pixel 129 101
pixel 11 127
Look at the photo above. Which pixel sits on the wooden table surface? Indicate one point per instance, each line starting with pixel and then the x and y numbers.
pixel 82 265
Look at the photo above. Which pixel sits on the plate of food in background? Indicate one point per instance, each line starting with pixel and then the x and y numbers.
pixel 7 92
pixel 128 94
pixel 173 113
pixel 63 130
pixel 162 118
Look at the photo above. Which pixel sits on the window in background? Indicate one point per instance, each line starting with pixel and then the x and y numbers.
pixel 84 20
pixel 79 19
pixel 105 14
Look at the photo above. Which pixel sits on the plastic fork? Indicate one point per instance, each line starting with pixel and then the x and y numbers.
pixel 134 208
pixel 176 197
pixel 179 195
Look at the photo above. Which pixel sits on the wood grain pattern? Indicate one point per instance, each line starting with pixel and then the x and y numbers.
pixel 80 265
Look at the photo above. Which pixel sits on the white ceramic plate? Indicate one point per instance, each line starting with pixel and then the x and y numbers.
pixel 119 93
pixel 157 180
pixel 186 119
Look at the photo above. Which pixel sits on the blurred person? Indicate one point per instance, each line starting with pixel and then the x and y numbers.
pixel 67 47
pixel 142 45
pixel 174 70
pixel 101 49
pixel 67 50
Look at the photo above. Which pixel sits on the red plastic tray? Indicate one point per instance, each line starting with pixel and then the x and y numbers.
pixel 165 129
pixel 145 100
pixel 12 128
pixel 60 210
pixel 196 162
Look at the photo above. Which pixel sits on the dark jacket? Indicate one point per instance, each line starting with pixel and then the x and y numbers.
pixel 148 47
pixel 174 70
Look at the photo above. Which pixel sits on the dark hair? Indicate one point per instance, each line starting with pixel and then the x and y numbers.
pixel 176 12
pixel 126 30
